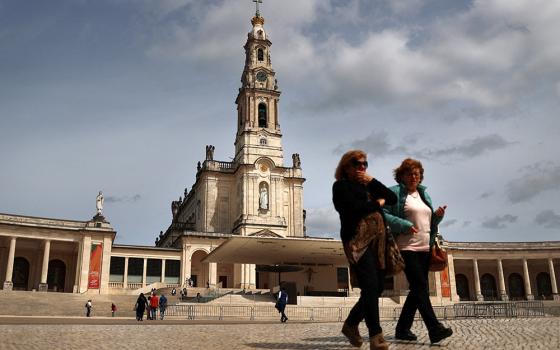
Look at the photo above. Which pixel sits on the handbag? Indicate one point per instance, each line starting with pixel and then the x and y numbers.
pixel 394 262
pixel 438 257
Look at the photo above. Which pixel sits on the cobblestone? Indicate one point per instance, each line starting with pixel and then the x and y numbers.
pixel 534 333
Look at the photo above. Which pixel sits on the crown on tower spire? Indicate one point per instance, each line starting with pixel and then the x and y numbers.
pixel 258 19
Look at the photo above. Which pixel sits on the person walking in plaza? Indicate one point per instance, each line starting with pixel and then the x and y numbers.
pixel 140 307
pixel 113 309
pixel 282 302
pixel 88 306
pixel 162 306
pixel 154 305
pixel 357 195
pixel 415 223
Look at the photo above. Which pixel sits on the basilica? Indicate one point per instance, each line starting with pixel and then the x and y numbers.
pixel 241 226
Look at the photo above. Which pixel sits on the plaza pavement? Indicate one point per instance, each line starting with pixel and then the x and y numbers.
pixel 100 333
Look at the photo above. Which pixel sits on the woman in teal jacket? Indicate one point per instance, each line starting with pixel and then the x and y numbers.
pixel 414 223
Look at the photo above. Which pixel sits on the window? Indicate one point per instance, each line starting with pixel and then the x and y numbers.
pixel 262 115
pixel 263 141
pixel 260 55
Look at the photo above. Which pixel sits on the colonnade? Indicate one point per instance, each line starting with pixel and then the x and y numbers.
pixel 46 250
pixel 501 280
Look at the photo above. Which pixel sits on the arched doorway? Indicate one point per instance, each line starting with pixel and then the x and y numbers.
pixel 488 287
pixel 199 270
pixel 56 275
pixel 544 286
pixel 20 276
pixel 462 284
pixel 516 287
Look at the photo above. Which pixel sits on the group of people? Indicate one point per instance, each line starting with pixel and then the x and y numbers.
pixel 407 211
pixel 151 306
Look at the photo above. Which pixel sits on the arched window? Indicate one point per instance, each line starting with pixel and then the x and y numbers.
pixel 488 287
pixel 516 287
pixel 260 55
pixel 263 141
pixel 462 287
pixel 262 115
pixel 544 286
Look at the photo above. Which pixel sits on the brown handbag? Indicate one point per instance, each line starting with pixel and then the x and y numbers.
pixel 438 257
pixel 394 262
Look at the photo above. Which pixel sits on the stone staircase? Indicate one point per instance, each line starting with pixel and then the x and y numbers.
pixel 23 303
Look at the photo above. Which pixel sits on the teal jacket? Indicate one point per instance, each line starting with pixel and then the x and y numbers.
pixel 394 214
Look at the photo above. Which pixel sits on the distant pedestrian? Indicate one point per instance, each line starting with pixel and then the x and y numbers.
pixel 173 291
pixel 162 306
pixel 140 306
pixel 281 304
pixel 88 306
pixel 113 309
pixel 154 304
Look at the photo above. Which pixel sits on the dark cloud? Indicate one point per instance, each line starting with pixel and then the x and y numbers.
pixel 469 148
pixel 499 222
pixel 548 219
pixel 485 195
pixel 448 223
pixel 537 178
pixel 375 143
pixel 123 199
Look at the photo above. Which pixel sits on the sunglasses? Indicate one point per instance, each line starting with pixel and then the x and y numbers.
pixel 357 164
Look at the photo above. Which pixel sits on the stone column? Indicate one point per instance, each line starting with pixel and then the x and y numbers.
pixel 144 269
pixel 242 276
pixel 43 286
pixel 529 294
pixel 553 279
pixel 477 291
pixel 162 270
pixel 501 282
pixel 125 277
pixel 452 282
pixel 8 283
pixel 212 274
pixel 252 276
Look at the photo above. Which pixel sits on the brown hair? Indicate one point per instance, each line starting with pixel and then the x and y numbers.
pixel 346 162
pixel 406 167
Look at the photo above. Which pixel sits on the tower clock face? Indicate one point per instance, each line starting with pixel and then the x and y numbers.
pixel 261 76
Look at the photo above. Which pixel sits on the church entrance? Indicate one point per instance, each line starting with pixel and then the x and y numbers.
pixel 56 275
pixel 199 269
pixel 20 276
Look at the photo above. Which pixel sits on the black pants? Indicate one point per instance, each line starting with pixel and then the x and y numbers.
pixel 371 285
pixel 416 271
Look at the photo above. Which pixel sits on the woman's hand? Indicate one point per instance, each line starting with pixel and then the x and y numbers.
pixel 440 211
pixel 412 230
pixel 363 177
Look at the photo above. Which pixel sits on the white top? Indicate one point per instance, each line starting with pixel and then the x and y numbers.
pixel 417 212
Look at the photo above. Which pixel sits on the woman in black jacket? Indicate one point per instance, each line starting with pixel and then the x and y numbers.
pixel 356 195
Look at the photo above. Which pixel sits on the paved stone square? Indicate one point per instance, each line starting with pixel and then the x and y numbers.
pixel 79 333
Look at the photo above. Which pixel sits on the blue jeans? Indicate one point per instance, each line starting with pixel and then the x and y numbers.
pixel 371 285
pixel 161 312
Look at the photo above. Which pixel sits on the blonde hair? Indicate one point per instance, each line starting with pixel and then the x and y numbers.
pixel 346 162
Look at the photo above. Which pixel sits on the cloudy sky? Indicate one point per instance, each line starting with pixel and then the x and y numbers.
pixel 123 95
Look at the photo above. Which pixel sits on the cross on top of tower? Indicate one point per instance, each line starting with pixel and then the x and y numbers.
pixel 257 2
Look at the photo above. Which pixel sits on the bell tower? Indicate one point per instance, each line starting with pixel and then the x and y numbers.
pixel 258 130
